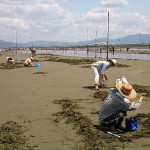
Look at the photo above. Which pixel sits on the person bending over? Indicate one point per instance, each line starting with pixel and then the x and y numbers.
pixel 99 68
pixel 28 62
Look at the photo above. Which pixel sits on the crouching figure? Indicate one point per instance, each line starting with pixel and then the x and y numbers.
pixel 117 103
pixel 28 62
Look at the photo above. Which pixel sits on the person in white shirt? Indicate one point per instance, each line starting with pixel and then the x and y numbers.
pixel 99 68
pixel 1 52
pixel 28 62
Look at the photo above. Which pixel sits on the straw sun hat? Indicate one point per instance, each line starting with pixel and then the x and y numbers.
pixel 126 90
pixel 114 61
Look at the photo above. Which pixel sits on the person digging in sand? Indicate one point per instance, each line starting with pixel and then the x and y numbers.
pixel 99 68
pixel 28 62
pixel 118 102
pixel 9 60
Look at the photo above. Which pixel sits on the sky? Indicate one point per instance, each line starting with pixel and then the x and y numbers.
pixel 72 20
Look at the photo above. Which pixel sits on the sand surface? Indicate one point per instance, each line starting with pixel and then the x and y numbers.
pixel 34 97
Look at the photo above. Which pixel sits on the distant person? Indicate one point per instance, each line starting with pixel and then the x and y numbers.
pixel 1 52
pixel 87 49
pixel 33 50
pixel 117 103
pixel 9 60
pixel 110 48
pixel 128 49
pixel 101 49
pixel 99 68
pixel 28 62
pixel 113 49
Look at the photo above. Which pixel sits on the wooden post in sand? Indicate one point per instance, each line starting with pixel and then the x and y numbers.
pixel 108 36
pixel 31 41
pixel 87 44
pixel 16 42
pixel 140 43
pixel 95 43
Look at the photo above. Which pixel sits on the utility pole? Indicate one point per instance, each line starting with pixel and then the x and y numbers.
pixel 31 41
pixel 140 42
pixel 95 42
pixel 96 37
pixel 16 42
pixel 87 43
pixel 108 36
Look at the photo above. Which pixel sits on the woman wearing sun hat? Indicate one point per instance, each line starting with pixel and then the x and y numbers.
pixel 99 68
pixel 116 105
pixel 28 62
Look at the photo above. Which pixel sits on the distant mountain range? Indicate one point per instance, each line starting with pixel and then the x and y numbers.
pixel 130 39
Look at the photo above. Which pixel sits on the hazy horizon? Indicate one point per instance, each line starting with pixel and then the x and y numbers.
pixel 72 21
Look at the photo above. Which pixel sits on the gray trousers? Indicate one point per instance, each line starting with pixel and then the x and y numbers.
pixel 115 119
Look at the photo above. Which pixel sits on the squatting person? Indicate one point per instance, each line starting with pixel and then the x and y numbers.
pixel 118 102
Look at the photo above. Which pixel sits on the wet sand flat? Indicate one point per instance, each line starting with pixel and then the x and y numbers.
pixel 34 97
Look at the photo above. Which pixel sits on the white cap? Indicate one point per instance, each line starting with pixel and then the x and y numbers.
pixel 31 58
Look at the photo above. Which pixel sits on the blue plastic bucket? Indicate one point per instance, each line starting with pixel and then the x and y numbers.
pixel 131 124
pixel 37 64
pixel 17 59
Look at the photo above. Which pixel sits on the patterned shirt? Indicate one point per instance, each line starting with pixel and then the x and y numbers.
pixel 114 103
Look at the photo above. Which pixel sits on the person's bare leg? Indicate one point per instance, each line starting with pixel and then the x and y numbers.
pixel 96 87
